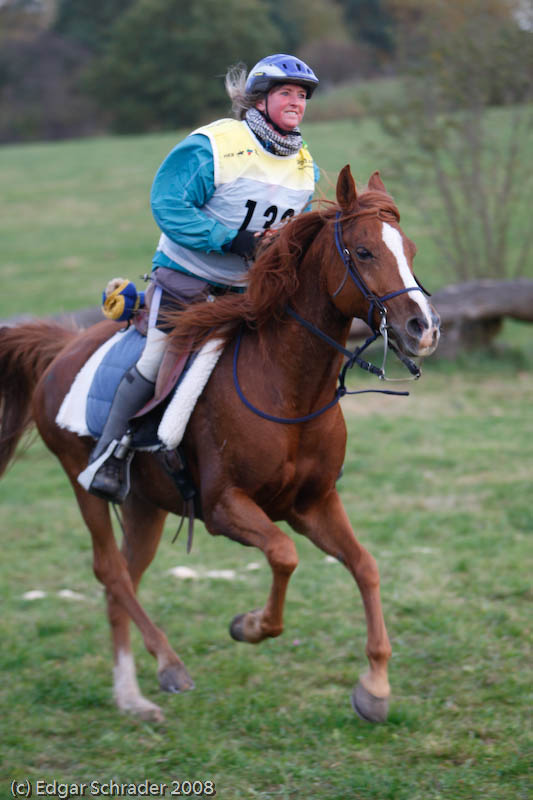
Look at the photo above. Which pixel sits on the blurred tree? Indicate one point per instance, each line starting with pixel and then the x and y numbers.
pixel 372 22
pixel 90 24
pixel 39 74
pixel 164 64
pixel 22 20
pixel 303 21
pixel 39 96
pixel 316 31
pixel 461 59
pixel 149 64
pixel 195 44
pixel 337 60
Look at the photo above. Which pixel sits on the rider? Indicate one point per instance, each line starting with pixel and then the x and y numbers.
pixel 214 194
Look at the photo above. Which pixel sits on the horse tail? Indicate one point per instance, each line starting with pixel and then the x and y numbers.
pixel 25 352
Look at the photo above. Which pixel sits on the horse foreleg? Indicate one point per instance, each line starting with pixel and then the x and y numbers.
pixel 111 568
pixel 239 518
pixel 327 525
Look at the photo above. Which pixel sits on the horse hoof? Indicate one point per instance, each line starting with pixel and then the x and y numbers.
pixel 368 707
pixel 247 627
pixel 151 713
pixel 175 679
pixel 236 628
pixel 140 707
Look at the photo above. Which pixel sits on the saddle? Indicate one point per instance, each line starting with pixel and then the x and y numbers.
pixel 161 423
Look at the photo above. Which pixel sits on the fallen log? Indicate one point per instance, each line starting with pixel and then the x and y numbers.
pixel 472 313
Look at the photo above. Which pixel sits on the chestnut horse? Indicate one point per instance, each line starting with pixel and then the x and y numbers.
pixel 249 470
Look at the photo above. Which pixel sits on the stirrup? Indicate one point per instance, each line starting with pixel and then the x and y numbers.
pixel 112 481
pixel 118 489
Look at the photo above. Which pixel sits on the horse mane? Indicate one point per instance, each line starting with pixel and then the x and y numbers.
pixel 273 278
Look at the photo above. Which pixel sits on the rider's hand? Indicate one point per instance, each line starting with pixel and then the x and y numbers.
pixel 245 243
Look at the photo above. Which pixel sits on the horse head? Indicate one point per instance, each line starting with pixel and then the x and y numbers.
pixel 373 276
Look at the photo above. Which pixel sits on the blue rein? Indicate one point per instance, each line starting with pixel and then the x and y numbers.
pixel 353 358
pixel 341 390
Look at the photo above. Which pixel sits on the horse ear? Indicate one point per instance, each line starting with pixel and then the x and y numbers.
pixel 346 191
pixel 376 183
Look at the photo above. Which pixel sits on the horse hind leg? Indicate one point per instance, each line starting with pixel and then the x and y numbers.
pixel 239 518
pixel 143 525
pixel 120 573
pixel 327 525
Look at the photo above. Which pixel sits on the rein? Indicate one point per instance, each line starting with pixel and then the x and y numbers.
pixel 353 358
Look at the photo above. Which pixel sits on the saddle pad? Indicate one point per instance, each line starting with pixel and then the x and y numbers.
pixel 73 412
pixel 189 389
pixel 116 362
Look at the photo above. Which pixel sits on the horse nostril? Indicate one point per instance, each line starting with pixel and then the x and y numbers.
pixel 416 326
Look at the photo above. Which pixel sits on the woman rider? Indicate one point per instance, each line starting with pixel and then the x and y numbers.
pixel 215 193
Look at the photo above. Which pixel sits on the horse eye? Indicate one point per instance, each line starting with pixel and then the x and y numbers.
pixel 363 253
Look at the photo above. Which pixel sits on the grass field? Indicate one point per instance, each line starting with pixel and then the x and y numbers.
pixel 437 485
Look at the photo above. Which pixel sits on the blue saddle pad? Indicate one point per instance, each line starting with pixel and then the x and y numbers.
pixel 118 360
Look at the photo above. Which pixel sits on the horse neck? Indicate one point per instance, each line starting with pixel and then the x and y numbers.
pixel 302 358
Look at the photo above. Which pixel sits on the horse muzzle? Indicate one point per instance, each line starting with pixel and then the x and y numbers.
pixel 419 335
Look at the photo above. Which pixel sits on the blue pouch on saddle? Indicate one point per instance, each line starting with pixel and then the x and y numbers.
pixel 116 362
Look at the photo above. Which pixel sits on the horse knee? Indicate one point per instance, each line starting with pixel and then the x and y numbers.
pixel 111 575
pixel 100 572
pixel 367 572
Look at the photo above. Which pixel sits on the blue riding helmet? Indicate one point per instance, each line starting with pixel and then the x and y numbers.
pixel 280 68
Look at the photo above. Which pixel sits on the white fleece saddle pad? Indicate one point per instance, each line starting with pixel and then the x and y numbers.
pixel 73 414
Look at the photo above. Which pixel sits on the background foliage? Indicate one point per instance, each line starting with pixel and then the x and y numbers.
pixel 460 62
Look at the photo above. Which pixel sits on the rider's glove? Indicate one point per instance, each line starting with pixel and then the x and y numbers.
pixel 244 244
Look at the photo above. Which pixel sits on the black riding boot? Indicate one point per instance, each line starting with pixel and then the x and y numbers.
pixel 109 480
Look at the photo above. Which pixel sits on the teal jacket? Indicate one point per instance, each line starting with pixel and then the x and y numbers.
pixel 182 185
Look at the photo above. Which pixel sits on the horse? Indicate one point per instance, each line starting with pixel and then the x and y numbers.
pixel 346 259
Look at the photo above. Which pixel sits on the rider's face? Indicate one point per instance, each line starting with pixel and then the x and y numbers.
pixel 286 105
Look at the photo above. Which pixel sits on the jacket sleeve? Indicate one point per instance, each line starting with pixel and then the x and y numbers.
pixel 182 186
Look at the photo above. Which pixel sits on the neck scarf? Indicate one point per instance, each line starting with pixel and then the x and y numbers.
pixel 280 145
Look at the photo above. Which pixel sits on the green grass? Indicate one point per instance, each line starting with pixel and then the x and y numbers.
pixel 438 486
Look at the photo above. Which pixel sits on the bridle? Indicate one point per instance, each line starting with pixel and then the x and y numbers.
pixel 351 270
pixel 374 302
pixel 353 358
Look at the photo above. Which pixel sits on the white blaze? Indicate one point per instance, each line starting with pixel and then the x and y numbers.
pixel 393 240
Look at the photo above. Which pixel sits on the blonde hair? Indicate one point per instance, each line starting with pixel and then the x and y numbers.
pixel 241 100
